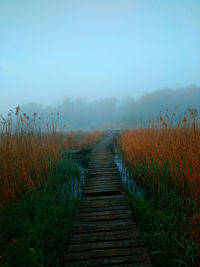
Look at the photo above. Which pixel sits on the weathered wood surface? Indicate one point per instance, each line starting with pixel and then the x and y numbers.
pixel 104 233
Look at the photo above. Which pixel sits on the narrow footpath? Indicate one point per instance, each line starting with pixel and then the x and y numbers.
pixel 104 233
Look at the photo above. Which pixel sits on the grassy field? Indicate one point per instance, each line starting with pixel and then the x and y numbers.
pixel 165 162
pixel 39 190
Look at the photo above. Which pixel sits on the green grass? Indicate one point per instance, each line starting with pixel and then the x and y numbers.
pixel 36 230
pixel 163 235
pixel 163 215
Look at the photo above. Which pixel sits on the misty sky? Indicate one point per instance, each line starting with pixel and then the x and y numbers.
pixel 50 49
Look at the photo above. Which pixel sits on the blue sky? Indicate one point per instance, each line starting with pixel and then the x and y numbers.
pixel 50 49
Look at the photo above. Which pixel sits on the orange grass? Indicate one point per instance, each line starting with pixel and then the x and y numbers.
pixel 179 147
pixel 78 139
pixel 161 151
pixel 25 162
pixel 27 156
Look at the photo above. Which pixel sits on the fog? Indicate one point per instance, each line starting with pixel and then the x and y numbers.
pixel 116 113
pixel 101 63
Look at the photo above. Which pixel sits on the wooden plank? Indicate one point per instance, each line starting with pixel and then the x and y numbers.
pixel 104 213
pixel 101 159
pixel 108 252
pixel 103 152
pixel 103 179
pixel 101 206
pixel 104 203
pixel 119 197
pixel 103 175
pixel 86 209
pixel 105 192
pixel 106 245
pixel 102 193
pixel 102 155
pixel 102 227
pixel 133 264
pixel 133 261
pixel 105 236
pixel 102 183
pixel 100 178
pixel 110 174
pixel 103 172
pixel 101 166
pixel 97 218
pixel 104 188
pixel 114 168
pixel 99 181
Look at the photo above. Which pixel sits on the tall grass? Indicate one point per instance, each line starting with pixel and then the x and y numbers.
pixel 35 231
pixel 169 154
pixel 78 139
pixel 165 161
pixel 27 154
pixel 39 189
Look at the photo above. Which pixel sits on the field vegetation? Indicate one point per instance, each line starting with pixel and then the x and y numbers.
pixel 164 159
pixel 39 189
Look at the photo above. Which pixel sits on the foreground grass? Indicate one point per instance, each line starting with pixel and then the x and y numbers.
pixel 169 224
pixel 39 188
pixel 35 231
pixel 163 234
pixel 165 163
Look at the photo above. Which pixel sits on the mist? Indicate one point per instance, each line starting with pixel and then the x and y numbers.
pixel 101 63
pixel 116 113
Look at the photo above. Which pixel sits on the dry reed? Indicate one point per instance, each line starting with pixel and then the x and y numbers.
pixel 173 148
pixel 27 155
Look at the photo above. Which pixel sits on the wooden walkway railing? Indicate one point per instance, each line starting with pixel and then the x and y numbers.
pixel 104 233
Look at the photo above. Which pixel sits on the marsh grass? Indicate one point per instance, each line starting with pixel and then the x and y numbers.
pixel 164 159
pixel 35 231
pixel 163 233
pixel 39 189
pixel 28 153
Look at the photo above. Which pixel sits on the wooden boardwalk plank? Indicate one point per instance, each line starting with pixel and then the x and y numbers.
pixel 105 236
pixel 104 233
pixel 95 182
pixel 104 217
pixel 133 261
pixel 83 209
pixel 102 227
pixel 128 243
pixel 103 188
pixel 108 178
pixel 105 213
pixel 103 174
pixel 107 192
pixel 107 252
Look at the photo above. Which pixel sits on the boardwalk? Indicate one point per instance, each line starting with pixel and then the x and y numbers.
pixel 104 233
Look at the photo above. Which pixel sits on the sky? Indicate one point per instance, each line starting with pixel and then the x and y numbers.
pixel 51 49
